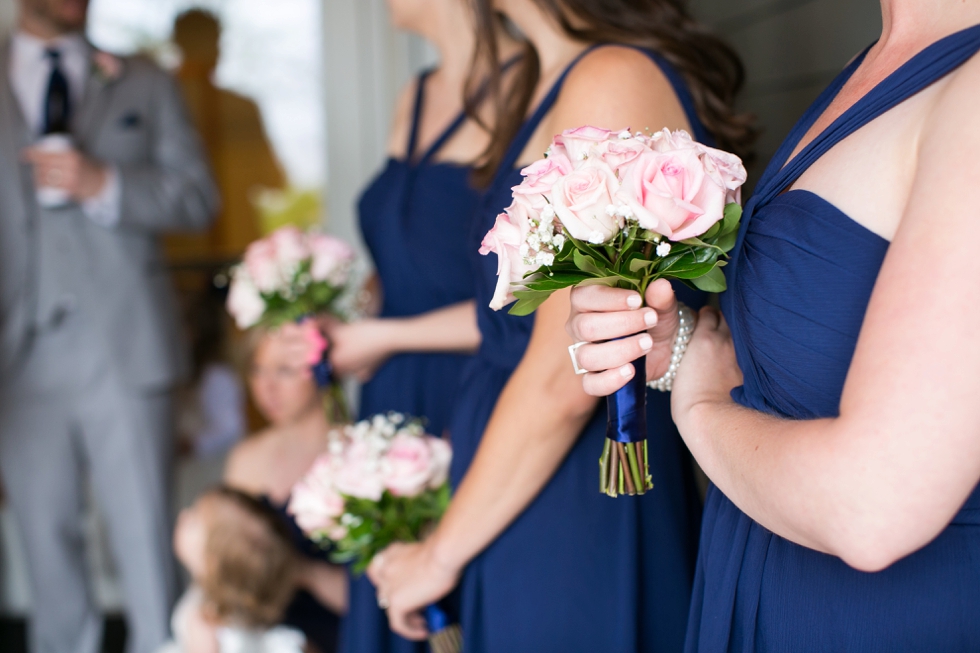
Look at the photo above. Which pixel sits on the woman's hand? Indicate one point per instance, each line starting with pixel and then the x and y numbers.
pixel 409 577
pixel 358 348
pixel 600 314
pixel 708 371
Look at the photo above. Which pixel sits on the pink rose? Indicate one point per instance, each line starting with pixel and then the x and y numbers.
pixel 262 265
pixel 670 193
pixel 581 200
pixel 408 464
pixel 505 240
pixel 541 176
pixel 290 245
pixel 331 259
pixel 620 153
pixel 244 301
pixel 442 456
pixel 359 474
pixel 727 170
pixel 579 142
pixel 315 502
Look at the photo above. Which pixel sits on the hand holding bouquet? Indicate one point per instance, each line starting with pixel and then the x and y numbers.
pixel 384 480
pixel 618 209
pixel 287 278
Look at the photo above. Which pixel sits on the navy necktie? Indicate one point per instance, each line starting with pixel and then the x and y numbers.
pixel 57 102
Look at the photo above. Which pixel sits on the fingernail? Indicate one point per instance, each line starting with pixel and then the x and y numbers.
pixel 634 301
pixel 646 342
pixel 650 318
pixel 626 371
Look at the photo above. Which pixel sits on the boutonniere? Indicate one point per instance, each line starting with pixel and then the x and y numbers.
pixel 107 66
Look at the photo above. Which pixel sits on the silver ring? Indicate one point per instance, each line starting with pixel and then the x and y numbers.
pixel 573 353
pixel 382 602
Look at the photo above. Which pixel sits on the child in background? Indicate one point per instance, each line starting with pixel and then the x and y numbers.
pixel 241 561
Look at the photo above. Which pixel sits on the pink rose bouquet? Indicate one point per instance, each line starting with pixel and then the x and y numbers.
pixel 383 480
pixel 619 209
pixel 288 275
pixel 287 278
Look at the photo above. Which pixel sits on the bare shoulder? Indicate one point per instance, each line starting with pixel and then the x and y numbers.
pixel 246 459
pixel 401 122
pixel 955 106
pixel 616 87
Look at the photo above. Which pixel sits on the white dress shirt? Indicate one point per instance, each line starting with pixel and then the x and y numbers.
pixel 30 70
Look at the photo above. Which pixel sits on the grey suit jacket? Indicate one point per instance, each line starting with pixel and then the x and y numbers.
pixel 136 121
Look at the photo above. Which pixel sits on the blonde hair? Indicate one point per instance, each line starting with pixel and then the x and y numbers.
pixel 250 564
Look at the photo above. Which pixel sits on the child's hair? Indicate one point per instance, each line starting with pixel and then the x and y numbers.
pixel 249 573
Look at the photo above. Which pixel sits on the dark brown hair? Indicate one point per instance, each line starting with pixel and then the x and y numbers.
pixel 249 562
pixel 712 70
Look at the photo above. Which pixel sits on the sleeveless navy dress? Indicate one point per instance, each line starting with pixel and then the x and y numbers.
pixel 576 571
pixel 415 218
pixel 799 285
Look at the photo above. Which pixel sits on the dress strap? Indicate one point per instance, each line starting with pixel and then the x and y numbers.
pixel 413 137
pixel 527 129
pixel 921 71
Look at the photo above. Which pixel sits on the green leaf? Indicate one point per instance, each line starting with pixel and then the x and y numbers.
pixel 612 282
pixel 729 223
pixel 638 264
pixel 586 263
pixel 713 281
pixel 528 301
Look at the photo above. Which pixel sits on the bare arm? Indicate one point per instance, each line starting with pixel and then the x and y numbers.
pixel 360 347
pixel 326 582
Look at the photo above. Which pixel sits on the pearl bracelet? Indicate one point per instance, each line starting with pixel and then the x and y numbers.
pixel 685 328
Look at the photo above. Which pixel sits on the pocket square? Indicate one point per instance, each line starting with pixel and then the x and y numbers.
pixel 131 120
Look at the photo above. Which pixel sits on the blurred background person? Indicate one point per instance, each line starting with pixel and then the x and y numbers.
pixel 97 157
pixel 240 556
pixel 415 217
pixel 269 463
pixel 234 137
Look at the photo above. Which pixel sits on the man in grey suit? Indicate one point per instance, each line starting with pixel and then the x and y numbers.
pixel 89 335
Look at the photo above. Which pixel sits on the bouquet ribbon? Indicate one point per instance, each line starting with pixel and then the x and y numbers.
pixel 322 371
pixel 627 408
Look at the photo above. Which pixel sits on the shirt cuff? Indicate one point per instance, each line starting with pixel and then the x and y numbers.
pixel 104 208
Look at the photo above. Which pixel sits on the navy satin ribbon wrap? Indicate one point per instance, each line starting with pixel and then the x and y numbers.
pixel 322 371
pixel 627 408
pixel 436 619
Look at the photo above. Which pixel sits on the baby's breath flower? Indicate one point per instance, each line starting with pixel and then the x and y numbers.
pixel 596 238
pixel 663 249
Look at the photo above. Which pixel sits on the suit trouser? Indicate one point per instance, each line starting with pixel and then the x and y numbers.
pixel 122 438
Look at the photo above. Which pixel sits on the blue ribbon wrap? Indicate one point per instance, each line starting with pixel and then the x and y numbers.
pixel 627 408
pixel 323 371
pixel 436 619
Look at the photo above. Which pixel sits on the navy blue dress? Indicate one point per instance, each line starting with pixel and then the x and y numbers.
pixel 576 571
pixel 799 285
pixel 415 218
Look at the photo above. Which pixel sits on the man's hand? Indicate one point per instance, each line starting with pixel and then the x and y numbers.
pixel 81 177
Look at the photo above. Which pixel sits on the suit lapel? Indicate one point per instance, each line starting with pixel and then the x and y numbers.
pixel 95 99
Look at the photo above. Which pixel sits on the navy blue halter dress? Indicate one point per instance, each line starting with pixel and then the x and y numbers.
pixel 799 285
pixel 576 571
pixel 415 218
